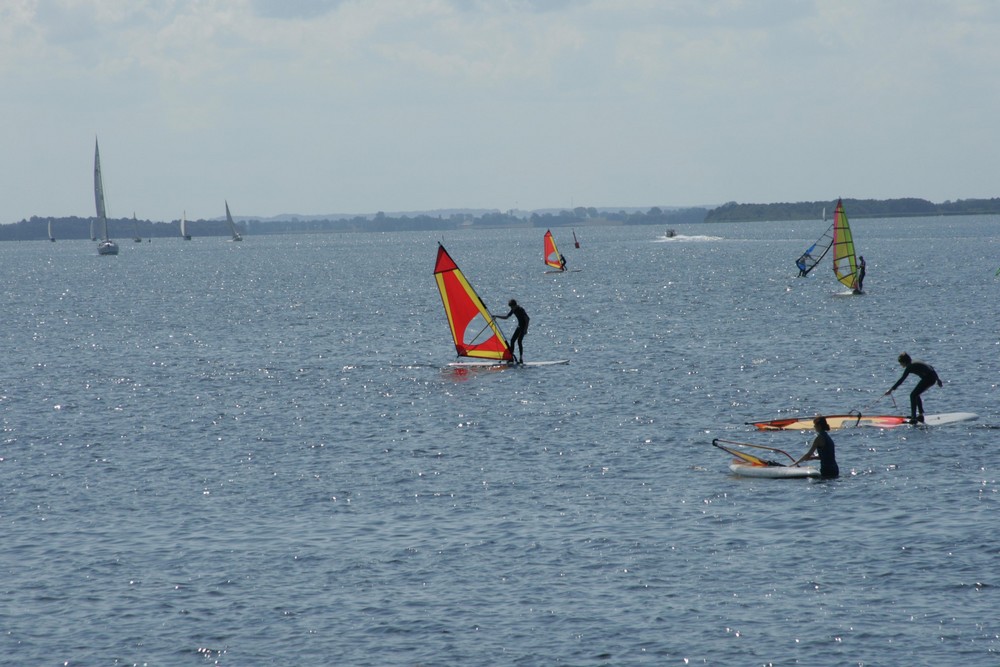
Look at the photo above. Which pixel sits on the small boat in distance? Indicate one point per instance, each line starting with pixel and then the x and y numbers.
pixel 184 234
pixel 106 246
pixel 51 238
pixel 232 225
pixel 135 224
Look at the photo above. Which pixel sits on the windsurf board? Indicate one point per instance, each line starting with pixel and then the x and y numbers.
pixel 504 364
pixel 774 472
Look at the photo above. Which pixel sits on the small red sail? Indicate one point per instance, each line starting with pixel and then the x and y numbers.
pixel 575 242
pixel 473 329
pixel 551 255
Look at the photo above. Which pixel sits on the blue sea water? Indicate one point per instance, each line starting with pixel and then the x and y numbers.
pixel 257 454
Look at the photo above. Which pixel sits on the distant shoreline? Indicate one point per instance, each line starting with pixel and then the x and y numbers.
pixel 69 228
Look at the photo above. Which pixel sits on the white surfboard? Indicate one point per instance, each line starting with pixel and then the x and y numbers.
pixel 773 472
pixel 948 418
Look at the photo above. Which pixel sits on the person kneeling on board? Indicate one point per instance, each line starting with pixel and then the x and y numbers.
pixel 522 327
pixel 822 449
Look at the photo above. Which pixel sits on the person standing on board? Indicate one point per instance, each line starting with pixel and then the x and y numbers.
pixel 522 327
pixel 859 281
pixel 928 378
pixel 822 449
pixel 562 262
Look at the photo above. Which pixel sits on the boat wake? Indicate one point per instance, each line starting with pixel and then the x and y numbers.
pixel 681 238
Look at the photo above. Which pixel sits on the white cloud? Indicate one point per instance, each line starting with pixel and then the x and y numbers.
pixel 363 105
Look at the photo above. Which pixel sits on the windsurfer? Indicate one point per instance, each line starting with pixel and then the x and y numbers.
pixel 522 327
pixel 928 378
pixel 822 449
pixel 562 262
pixel 859 281
pixel 801 263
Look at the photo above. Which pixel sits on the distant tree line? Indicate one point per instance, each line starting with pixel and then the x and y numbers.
pixel 36 228
pixel 855 208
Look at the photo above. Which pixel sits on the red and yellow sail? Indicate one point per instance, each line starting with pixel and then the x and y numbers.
pixel 473 329
pixel 845 265
pixel 551 255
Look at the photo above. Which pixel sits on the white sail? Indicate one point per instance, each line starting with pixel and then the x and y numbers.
pixel 232 225
pixel 51 237
pixel 106 246
pixel 184 234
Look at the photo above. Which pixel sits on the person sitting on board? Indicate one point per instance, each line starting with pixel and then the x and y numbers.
pixel 822 449
pixel 928 378
pixel 859 281
pixel 522 327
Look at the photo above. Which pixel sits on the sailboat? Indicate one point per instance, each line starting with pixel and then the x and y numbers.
pixel 106 246
pixel 551 254
pixel 474 330
pixel 184 234
pixel 575 242
pixel 232 225
pixel 135 223
pixel 51 238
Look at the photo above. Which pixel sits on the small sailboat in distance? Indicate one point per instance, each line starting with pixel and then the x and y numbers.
pixel 575 242
pixel 135 224
pixel 51 237
pixel 839 238
pixel 184 234
pixel 551 254
pixel 106 246
pixel 232 225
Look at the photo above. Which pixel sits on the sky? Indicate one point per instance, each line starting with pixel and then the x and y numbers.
pixel 357 106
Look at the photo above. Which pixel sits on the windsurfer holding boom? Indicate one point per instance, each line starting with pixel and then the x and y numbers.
pixel 522 327
pixel 928 378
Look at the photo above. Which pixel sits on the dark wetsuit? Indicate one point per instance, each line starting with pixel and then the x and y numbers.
pixel 928 378
pixel 522 328
pixel 860 280
pixel 827 455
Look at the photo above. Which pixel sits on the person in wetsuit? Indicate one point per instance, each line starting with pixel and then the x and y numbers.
pixel 928 378
pixel 860 280
pixel 522 327
pixel 823 449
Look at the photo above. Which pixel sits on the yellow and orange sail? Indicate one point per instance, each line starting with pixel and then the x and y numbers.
pixel 475 332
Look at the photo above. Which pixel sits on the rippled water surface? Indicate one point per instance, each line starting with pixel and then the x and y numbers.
pixel 256 453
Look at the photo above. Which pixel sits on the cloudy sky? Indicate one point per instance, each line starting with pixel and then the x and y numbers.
pixel 358 106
